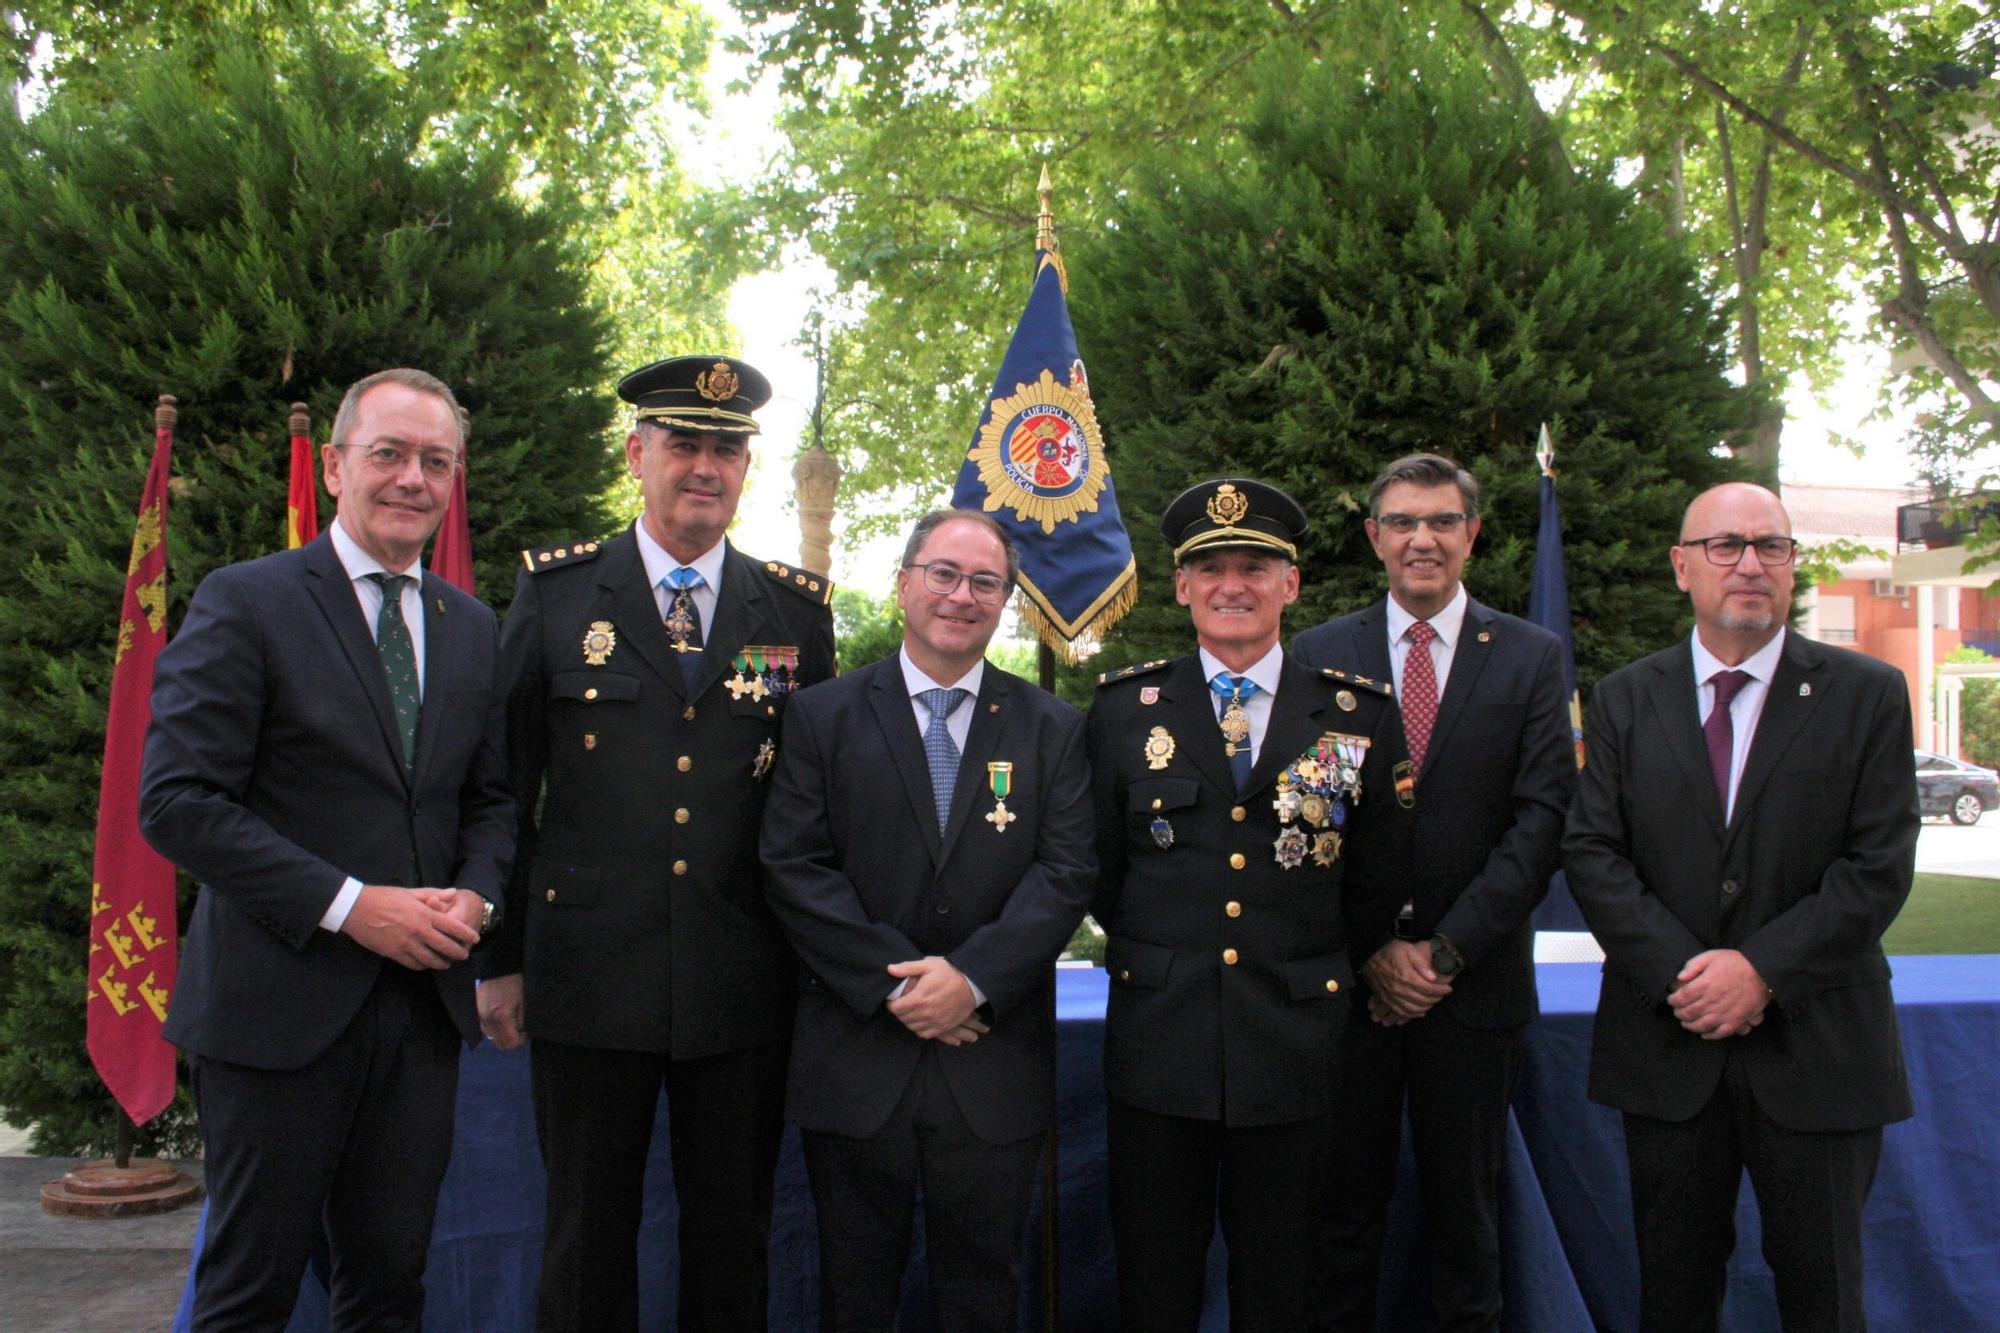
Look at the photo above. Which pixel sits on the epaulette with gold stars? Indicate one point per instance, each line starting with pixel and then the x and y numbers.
pixel 539 558
pixel 1136 669
pixel 1381 687
pixel 813 587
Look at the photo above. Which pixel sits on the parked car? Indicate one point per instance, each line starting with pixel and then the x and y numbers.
pixel 1953 787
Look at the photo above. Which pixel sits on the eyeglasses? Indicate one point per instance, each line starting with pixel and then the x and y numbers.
pixel 1727 549
pixel 942 580
pixel 388 459
pixel 1404 524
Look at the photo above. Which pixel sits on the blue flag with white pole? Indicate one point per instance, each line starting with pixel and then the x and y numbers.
pixel 1037 464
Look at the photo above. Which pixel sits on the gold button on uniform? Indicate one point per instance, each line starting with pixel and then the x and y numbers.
pixel 1124 974
pixel 552 895
pixel 689 714
pixel 683 763
pixel 1234 909
pixel 1236 861
pixel 681 815
pixel 680 867
pixel 1229 957
pixel 590 693
pixel 1239 814
pixel 1332 986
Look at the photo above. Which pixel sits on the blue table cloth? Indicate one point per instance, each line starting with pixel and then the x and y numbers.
pixel 1933 1228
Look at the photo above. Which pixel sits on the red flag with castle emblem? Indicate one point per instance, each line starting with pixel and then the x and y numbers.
pixel 302 497
pixel 133 935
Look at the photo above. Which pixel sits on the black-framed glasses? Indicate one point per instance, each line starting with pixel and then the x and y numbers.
pixel 390 460
pixel 1728 548
pixel 1404 524
pixel 942 580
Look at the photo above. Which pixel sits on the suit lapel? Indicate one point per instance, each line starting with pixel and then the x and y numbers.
pixel 329 586
pixel 739 619
pixel 1468 659
pixel 1188 714
pixel 1796 689
pixel 1371 645
pixel 991 713
pixel 621 583
pixel 1294 725
pixel 891 702
pixel 1677 711
pixel 440 660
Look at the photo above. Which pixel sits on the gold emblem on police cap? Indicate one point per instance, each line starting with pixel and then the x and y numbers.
pixel 1159 748
pixel 717 383
pixel 598 641
pixel 1228 505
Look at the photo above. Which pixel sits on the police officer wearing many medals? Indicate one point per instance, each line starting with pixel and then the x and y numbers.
pixel 647 679
pixel 1226 784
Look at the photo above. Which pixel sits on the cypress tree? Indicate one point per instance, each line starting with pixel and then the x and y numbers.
pixel 1372 265
pixel 262 233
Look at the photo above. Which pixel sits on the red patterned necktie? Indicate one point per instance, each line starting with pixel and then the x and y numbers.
pixel 1420 693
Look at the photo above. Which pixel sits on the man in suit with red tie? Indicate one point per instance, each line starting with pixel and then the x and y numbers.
pixel 928 844
pixel 647 676
pixel 1744 832
pixel 325 756
pixel 1439 899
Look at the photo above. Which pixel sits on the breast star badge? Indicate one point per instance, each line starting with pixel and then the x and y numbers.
pixel 598 641
pixel 1159 748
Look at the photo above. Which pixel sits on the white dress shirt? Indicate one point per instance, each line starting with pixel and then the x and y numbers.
pixel 659 564
pixel 1257 708
pixel 1745 708
pixel 359 565
pixel 1448 623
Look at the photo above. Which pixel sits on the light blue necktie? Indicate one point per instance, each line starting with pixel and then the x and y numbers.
pixel 1235 689
pixel 940 750
pixel 684 618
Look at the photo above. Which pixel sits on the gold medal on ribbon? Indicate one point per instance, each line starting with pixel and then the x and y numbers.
pixel 1235 727
pixel 1000 777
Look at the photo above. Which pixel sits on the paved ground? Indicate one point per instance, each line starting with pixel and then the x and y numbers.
pixel 67 1275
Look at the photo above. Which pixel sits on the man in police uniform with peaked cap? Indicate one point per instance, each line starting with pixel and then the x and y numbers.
pixel 1226 783
pixel 647 678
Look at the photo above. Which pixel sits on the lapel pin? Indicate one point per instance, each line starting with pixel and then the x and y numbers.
pixel 1149 694
pixel 993 708
pixel 1485 636
pixel 1805 691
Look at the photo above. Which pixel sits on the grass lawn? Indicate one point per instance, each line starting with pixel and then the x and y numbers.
pixel 1945 914
pixel 1948 914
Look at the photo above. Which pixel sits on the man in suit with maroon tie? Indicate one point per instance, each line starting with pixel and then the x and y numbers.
pixel 1439 900
pixel 1744 832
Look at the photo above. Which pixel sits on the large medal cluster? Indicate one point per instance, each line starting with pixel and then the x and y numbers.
pixel 1314 795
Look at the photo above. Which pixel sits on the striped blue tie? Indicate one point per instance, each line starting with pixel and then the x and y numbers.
pixel 940 750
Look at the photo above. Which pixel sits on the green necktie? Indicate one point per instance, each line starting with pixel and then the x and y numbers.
pixel 399 660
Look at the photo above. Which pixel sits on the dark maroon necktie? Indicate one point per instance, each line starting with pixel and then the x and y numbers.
pixel 1720 731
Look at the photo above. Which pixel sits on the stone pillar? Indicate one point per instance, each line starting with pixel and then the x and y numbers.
pixel 816 479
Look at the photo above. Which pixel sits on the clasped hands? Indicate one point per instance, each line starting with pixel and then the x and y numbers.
pixel 418 928
pixel 1718 995
pixel 1402 985
pixel 936 1002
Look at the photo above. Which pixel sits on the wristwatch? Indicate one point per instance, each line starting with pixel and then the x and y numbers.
pixel 1446 960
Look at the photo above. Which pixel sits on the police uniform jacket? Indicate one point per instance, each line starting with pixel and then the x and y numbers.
pixel 1230 979
pixel 636 910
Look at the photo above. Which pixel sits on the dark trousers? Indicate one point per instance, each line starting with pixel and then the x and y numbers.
pixel 1457 1082
pixel 1810 1190
pixel 1172 1177
pixel 355 1142
pixel 975 1205
pixel 594 1113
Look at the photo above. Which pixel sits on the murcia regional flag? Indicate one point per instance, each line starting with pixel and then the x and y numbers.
pixel 1037 464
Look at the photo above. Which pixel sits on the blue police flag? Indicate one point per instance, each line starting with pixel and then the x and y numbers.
pixel 1548 606
pixel 1037 464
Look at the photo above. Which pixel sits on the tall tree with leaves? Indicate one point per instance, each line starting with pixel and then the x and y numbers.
pixel 242 238
pixel 1369 267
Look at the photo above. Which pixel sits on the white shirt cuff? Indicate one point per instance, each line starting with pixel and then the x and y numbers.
pixel 343 903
